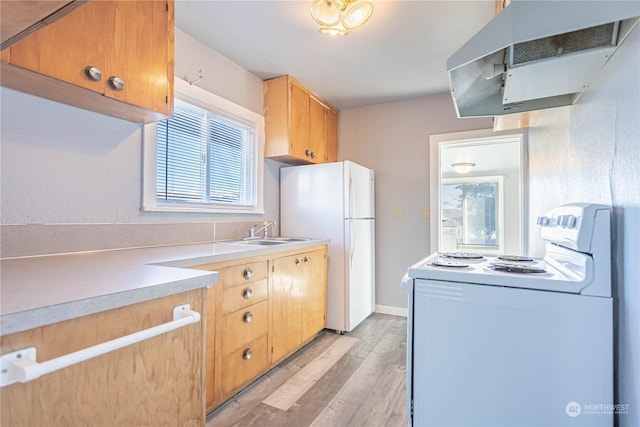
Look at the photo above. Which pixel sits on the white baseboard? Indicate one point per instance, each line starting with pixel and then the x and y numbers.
pixel 394 311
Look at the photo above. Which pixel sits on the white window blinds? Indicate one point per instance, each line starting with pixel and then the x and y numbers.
pixel 203 157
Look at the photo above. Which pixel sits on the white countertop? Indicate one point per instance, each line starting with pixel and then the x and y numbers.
pixel 36 291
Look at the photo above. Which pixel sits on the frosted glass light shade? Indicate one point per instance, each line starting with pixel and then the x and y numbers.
pixel 326 12
pixel 463 167
pixel 357 14
pixel 337 17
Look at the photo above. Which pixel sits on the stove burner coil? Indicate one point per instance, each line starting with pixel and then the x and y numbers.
pixel 445 263
pixel 515 268
pixel 515 258
pixel 461 255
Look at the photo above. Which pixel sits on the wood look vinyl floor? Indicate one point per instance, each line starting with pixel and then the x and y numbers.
pixel 351 380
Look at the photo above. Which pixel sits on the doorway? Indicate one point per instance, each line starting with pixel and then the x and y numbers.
pixel 478 192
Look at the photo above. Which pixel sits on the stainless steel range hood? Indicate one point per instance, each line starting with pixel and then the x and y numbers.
pixel 537 54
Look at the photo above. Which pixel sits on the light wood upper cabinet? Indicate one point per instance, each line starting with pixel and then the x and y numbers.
pixel 331 136
pixel 19 18
pixel 127 45
pixel 157 381
pixel 55 51
pixel 317 130
pixel 300 121
pixel 299 126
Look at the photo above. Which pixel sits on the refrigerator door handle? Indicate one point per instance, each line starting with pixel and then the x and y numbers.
pixel 352 243
pixel 352 196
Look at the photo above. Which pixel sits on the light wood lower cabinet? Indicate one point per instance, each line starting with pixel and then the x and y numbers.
pixel 237 319
pixel 314 305
pixel 157 381
pixel 298 300
pixel 263 309
pixel 244 364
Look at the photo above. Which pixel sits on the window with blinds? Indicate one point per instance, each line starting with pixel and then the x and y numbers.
pixel 205 158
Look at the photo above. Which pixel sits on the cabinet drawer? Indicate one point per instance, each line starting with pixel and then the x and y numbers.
pixel 243 326
pixel 243 273
pixel 238 368
pixel 243 296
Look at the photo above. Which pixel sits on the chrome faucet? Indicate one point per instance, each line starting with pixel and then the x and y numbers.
pixel 265 228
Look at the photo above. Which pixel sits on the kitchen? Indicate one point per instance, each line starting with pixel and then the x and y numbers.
pixel 588 151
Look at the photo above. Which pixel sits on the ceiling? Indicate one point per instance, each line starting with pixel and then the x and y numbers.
pixel 490 157
pixel 399 54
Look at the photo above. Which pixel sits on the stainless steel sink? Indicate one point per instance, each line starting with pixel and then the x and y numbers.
pixel 263 242
pixel 288 239
pixel 269 241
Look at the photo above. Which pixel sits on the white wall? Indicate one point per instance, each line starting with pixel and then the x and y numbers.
pixel 590 152
pixel 63 166
pixel 393 139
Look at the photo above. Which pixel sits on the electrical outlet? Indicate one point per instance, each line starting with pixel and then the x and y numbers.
pixel 398 212
pixel 426 213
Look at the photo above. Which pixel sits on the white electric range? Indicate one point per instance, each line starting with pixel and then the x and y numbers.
pixel 514 341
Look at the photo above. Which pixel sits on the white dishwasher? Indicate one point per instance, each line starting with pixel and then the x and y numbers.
pixel 513 341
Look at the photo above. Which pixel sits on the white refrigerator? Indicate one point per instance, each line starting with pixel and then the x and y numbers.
pixel 336 201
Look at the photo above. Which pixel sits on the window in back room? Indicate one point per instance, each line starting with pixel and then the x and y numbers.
pixel 473 208
pixel 478 192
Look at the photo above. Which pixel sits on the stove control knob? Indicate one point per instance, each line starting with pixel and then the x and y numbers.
pixel 543 221
pixel 567 221
pixel 562 220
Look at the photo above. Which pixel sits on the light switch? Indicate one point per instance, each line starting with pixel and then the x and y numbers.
pixel 426 213
pixel 398 212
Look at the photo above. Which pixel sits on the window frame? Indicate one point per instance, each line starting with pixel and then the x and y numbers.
pixel 217 105
pixel 479 179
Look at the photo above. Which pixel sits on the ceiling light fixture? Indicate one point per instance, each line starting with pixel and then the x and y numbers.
pixel 464 167
pixel 337 17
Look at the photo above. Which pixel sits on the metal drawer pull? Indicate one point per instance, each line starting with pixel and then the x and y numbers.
pixel 248 273
pixel 93 73
pixel 298 261
pixel 21 366
pixel 116 83
pixel 248 317
pixel 247 354
pixel 247 293
pixel 307 259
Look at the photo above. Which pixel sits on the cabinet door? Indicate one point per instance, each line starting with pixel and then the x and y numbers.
pixel 331 138
pixel 314 307
pixel 157 381
pixel 286 300
pixel 138 53
pixel 299 122
pixel 317 135
pixel 65 48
